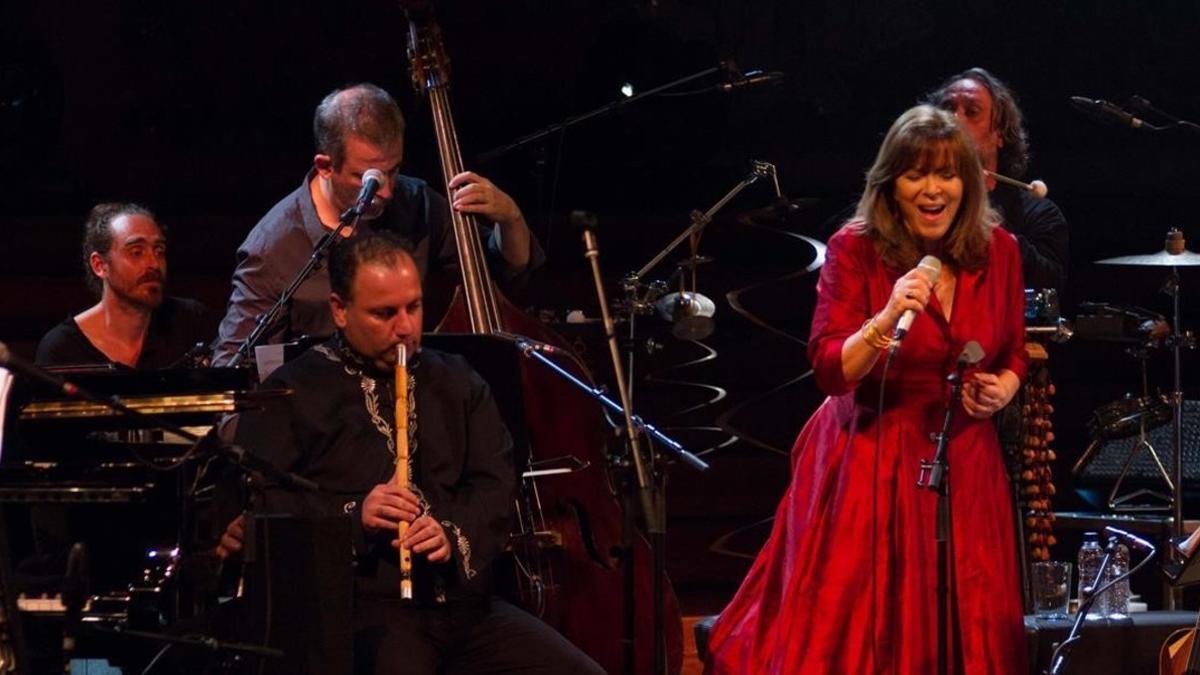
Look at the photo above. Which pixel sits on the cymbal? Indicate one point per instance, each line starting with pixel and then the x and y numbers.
pixel 687 263
pixel 778 211
pixel 1160 259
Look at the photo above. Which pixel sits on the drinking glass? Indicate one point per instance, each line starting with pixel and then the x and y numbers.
pixel 1051 589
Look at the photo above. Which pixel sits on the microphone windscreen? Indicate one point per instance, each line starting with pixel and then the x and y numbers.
pixel 972 353
pixel 373 174
pixel 931 267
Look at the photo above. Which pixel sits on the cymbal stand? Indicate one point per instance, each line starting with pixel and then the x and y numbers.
pixel 1178 340
pixel 701 220
pixel 1122 503
pixel 632 282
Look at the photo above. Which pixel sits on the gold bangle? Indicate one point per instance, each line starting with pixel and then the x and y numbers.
pixel 873 337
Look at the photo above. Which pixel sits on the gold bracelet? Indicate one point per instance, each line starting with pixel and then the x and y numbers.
pixel 873 337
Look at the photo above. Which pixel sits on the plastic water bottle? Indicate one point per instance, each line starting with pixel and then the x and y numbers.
pixel 1088 563
pixel 1117 597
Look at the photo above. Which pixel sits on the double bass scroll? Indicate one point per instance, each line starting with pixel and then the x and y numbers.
pixel 431 75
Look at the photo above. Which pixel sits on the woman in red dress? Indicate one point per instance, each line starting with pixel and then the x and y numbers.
pixel 847 581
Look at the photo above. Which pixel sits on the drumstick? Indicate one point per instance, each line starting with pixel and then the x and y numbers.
pixel 1037 187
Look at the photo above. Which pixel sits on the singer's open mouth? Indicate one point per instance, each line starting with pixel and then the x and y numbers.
pixel 932 210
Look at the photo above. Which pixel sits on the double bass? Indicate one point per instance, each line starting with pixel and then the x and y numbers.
pixel 569 554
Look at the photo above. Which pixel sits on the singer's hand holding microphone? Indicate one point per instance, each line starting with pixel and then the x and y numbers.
pixel 911 293
pixel 885 330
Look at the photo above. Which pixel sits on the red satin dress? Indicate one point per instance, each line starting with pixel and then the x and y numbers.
pixel 846 583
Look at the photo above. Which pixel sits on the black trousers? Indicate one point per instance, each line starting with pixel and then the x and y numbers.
pixel 474 635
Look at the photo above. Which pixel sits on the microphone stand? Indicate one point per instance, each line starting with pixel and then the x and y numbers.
pixel 612 106
pixel 935 475
pixel 532 350
pixel 211 644
pixel 651 486
pixel 267 320
pixel 1058 659
pixel 632 282
pixel 701 220
pixel 1173 122
pixel 1062 653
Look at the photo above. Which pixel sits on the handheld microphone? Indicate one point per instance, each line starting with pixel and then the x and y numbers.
pixel 372 180
pixel 931 267
pixel 1108 113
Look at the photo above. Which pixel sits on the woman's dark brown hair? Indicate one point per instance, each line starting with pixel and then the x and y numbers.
pixel 926 138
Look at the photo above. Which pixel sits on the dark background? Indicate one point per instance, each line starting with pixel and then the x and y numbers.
pixel 202 110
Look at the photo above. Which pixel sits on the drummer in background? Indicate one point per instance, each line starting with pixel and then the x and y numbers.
pixel 988 110
pixel 134 323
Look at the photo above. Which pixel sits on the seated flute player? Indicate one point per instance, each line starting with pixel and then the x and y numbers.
pixel 338 430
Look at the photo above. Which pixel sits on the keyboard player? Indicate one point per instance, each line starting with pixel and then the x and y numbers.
pixel 134 323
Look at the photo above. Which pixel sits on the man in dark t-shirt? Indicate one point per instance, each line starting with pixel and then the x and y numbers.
pixel 133 324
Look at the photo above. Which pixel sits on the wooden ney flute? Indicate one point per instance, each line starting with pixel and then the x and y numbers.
pixel 402 478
